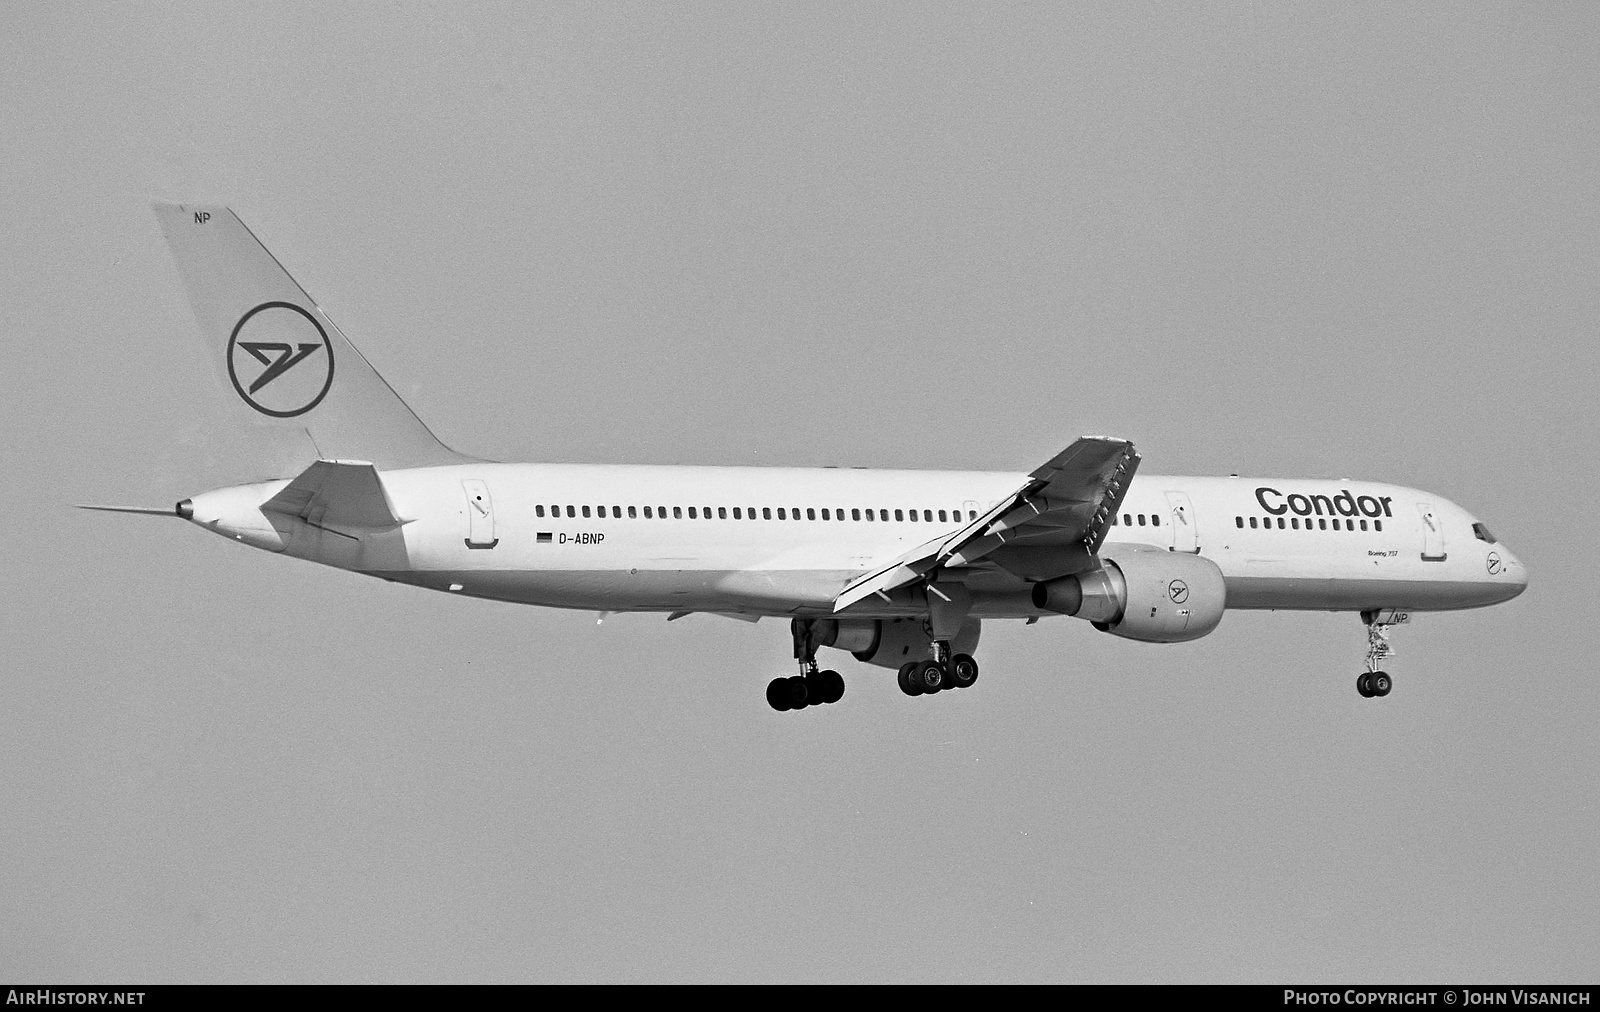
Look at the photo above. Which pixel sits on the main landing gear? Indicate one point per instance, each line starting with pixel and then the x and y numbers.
pixel 810 687
pixel 1373 682
pixel 943 671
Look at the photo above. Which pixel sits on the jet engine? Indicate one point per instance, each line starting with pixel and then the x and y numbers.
pixel 891 642
pixel 1154 596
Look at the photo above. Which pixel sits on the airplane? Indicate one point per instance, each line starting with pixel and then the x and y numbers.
pixel 898 568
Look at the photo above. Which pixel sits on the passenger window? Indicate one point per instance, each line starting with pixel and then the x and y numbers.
pixel 661 512
pixel 692 514
pixel 900 516
pixel 913 515
pixel 722 512
pixel 571 512
pixel 1294 522
pixel 1238 521
pixel 677 512
pixel 1252 523
pixel 825 513
pixel 855 514
pixel 737 513
pixel 586 512
pixel 1141 519
pixel 972 514
pixel 1281 524
pixel 1363 525
pixel 538 511
pixel 616 512
pixel 794 513
pixel 811 514
pixel 1155 520
pixel 633 512
pixel 1377 525
pixel 647 515
pixel 1127 520
pixel 942 519
pixel 1322 525
pixel 780 514
pixel 871 516
pixel 883 515
pixel 927 516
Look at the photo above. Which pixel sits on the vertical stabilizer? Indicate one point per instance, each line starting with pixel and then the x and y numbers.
pixel 286 369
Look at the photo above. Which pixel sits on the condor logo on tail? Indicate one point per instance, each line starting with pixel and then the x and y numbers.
pixel 274 363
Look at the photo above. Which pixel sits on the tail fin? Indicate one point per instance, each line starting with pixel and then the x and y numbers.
pixel 286 368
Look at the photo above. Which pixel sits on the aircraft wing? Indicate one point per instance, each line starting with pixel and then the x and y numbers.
pixel 344 493
pixel 1064 508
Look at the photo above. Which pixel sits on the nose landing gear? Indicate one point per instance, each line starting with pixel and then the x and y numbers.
pixel 1374 682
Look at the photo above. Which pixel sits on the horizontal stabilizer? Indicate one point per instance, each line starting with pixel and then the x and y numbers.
pixel 340 493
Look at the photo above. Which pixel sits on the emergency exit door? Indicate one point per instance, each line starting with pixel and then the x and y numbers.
pixel 1432 534
pixel 480 515
pixel 1180 515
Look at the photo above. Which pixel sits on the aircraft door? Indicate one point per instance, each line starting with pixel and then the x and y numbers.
pixel 480 515
pixel 1432 534
pixel 1184 533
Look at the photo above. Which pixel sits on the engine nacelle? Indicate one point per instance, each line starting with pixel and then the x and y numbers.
pixel 1154 596
pixel 891 642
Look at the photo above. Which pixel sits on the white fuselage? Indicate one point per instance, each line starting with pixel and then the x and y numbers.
pixel 754 541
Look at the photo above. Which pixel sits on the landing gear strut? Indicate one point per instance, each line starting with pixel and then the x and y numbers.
pixel 943 671
pixel 810 686
pixel 1374 682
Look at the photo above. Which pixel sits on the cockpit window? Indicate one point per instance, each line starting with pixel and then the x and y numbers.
pixel 1482 533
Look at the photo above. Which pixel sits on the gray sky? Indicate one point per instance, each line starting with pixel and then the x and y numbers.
pixel 1336 241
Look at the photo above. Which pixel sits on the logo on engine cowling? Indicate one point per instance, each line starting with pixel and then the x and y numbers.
pixel 1178 591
